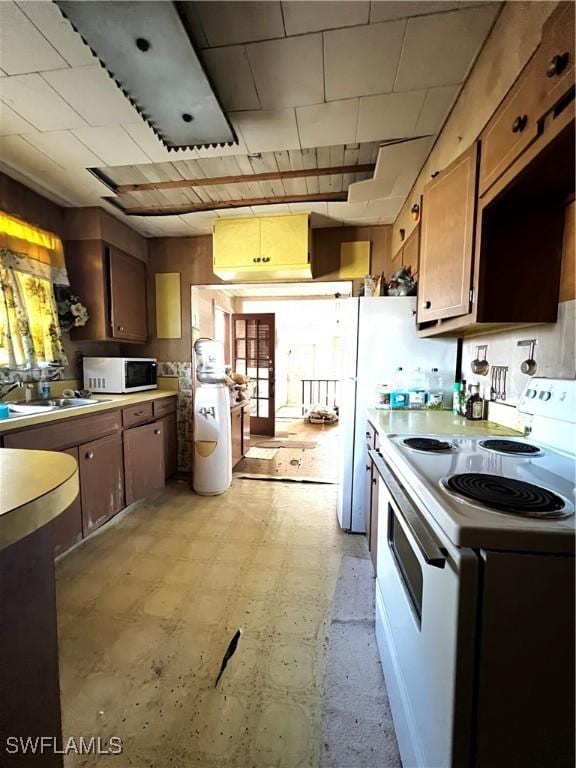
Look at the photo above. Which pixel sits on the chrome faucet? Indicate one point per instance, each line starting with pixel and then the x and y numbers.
pixel 6 388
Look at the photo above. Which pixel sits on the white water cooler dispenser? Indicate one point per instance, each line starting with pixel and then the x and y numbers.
pixel 212 438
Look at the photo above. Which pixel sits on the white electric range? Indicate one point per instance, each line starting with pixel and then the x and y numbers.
pixel 475 590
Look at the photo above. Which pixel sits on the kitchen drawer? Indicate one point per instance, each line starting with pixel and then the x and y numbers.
pixel 60 435
pixel 137 414
pixel 371 436
pixel 554 60
pixel 513 127
pixel 164 407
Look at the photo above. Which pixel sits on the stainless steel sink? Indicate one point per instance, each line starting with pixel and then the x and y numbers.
pixel 23 408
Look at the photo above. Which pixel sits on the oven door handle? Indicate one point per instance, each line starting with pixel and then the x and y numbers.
pixel 431 552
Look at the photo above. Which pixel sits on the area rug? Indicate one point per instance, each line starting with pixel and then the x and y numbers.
pixel 287 444
pixel 261 453
pixel 358 727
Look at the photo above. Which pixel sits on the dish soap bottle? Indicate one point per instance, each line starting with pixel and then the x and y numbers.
pixel 44 387
pixel 474 404
pixel 456 389
pixel 435 390
pixel 399 395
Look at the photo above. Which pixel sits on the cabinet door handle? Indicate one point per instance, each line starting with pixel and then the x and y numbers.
pixel 266 259
pixel 256 259
pixel 519 123
pixel 156 431
pixel 558 64
pixel 120 327
pixel 90 455
pixel 426 304
pixel 138 413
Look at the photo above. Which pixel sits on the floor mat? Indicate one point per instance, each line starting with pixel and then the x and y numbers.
pixel 266 454
pixel 287 444
pixel 358 727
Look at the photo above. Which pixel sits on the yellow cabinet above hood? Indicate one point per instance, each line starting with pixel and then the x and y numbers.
pixel 263 248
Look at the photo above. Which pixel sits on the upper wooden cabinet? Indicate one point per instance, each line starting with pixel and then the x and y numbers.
pixel 448 208
pixel 273 247
pixel 543 85
pixel 112 286
pixel 128 314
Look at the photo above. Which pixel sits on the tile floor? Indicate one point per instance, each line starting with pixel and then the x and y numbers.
pixel 148 607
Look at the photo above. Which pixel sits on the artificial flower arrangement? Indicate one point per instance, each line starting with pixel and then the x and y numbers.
pixel 71 312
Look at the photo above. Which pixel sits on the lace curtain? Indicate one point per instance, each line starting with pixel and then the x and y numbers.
pixel 31 263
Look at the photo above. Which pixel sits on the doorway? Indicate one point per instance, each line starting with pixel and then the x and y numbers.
pixel 287 338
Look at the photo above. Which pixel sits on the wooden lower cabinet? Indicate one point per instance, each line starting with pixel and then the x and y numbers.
pixel 170 432
pixel 101 480
pixel 66 529
pixel 245 429
pixel 236 432
pixel 371 508
pixel 143 460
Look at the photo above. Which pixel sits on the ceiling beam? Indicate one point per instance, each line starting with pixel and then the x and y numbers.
pixel 301 173
pixel 214 205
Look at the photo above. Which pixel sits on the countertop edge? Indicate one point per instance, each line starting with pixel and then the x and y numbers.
pixel 113 403
pixel 435 423
pixel 17 522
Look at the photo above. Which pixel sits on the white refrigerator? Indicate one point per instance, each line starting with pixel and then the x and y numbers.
pixel 378 336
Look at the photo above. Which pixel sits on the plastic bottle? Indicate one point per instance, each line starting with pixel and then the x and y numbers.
pixel 417 390
pixel 383 397
pixel 462 399
pixel 4 411
pixel 456 389
pixel 399 394
pixel 44 387
pixel 435 390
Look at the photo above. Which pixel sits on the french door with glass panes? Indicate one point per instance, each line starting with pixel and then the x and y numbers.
pixel 254 341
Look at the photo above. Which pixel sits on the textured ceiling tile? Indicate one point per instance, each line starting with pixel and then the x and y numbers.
pixel 230 74
pixel 58 30
pixel 386 208
pixel 440 49
pixel 36 102
pixel 267 130
pixel 228 23
pixel 22 47
pixel 289 72
pixel 385 10
pixel 19 153
pixel 362 60
pixel 93 94
pixel 391 116
pixel 65 149
pixel 113 144
pixel 11 123
pixel 436 106
pixel 332 123
pixel 309 16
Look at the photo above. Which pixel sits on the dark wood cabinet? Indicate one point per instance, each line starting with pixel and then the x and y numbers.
pixel 236 432
pixel 112 286
pixel 101 480
pixel 127 296
pixel 143 460
pixel 66 529
pixel 245 429
pixel 170 433
pixel 447 240
pixel 371 495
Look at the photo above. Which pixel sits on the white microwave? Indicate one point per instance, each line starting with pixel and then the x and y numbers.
pixel 120 374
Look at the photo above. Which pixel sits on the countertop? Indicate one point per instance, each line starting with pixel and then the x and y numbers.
pixel 101 403
pixel 432 423
pixel 35 486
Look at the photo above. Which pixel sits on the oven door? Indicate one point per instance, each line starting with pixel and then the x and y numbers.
pixel 426 606
pixel 140 375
